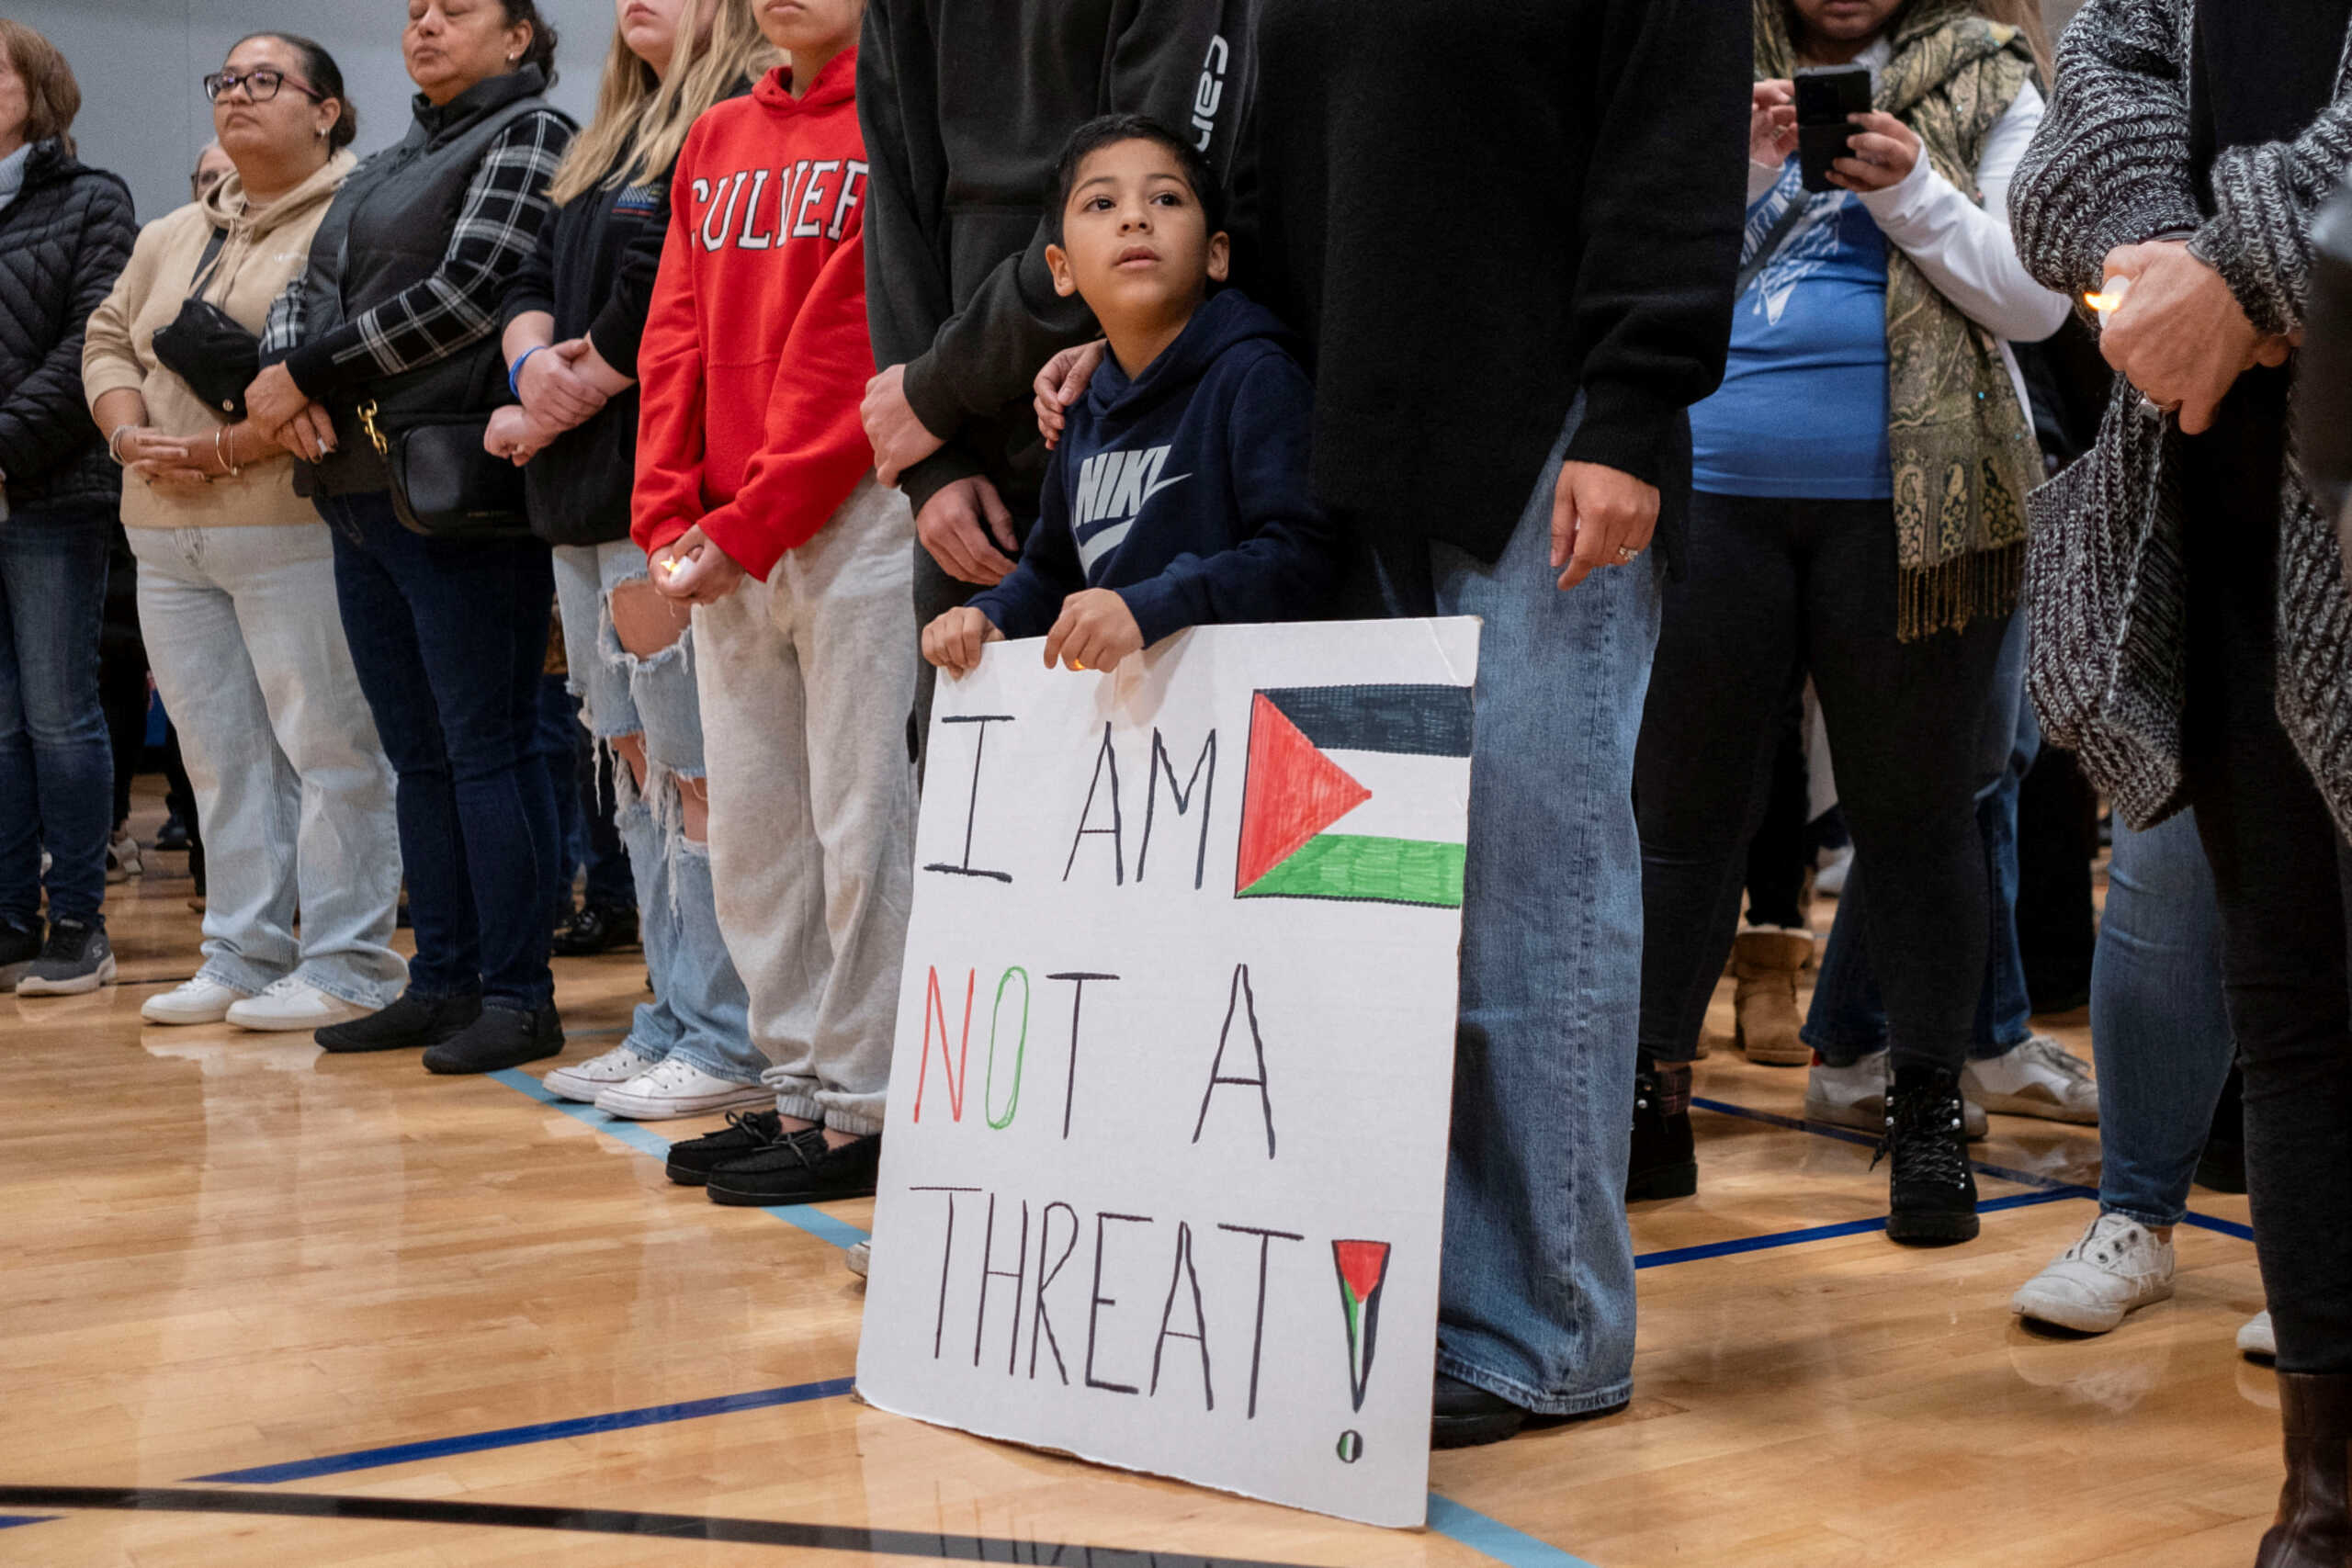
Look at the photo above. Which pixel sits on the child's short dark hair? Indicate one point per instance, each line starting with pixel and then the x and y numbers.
pixel 1105 130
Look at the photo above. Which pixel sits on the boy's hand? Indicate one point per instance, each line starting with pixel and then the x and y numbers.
pixel 1061 383
pixel 691 570
pixel 954 641
pixel 950 529
pixel 899 437
pixel 1600 517
pixel 1095 631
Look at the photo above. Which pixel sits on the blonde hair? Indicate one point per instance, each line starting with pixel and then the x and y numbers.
pixel 641 120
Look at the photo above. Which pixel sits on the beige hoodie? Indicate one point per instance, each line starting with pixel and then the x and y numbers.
pixel 262 252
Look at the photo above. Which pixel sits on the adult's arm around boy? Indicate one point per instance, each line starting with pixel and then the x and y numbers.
pixel 813 449
pixel 1664 213
pixel 672 396
pixel 1288 559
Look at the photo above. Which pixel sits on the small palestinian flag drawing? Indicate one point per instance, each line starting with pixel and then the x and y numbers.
pixel 1392 761
pixel 1364 1269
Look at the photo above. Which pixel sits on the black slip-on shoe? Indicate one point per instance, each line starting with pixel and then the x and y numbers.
pixel 798 1170
pixel 594 928
pixel 501 1038
pixel 411 1023
pixel 746 1132
pixel 1465 1415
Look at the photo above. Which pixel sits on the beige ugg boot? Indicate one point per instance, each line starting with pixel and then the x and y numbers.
pixel 1765 959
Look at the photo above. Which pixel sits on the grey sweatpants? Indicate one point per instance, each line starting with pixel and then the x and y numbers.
pixel 812 803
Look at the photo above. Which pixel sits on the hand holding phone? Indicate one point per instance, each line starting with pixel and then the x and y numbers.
pixel 1827 99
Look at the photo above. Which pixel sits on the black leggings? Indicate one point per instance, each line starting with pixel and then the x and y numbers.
pixel 1775 589
pixel 2280 867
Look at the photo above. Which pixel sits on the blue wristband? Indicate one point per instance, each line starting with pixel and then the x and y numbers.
pixel 515 372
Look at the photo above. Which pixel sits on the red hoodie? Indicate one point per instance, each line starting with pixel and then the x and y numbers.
pixel 755 355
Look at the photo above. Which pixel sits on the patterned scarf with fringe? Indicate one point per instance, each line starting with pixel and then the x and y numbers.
pixel 1965 454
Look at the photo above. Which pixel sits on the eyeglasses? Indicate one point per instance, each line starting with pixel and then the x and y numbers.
pixel 260 85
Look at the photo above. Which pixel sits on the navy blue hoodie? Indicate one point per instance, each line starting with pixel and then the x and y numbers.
pixel 1184 489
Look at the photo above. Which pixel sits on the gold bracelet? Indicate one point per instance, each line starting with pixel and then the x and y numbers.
pixel 234 470
pixel 114 444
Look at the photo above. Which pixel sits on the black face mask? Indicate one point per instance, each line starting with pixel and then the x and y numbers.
pixel 207 348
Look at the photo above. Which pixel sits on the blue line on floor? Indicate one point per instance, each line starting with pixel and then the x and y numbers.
pixel 519 1437
pixel 10 1521
pixel 808 1216
pixel 2226 1227
pixel 1514 1549
pixel 1828 1233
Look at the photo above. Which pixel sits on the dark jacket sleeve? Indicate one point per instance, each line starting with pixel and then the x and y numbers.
pixel 43 421
pixel 532 288
pixel 1653 295
pixel 620 327
pixel 1029 600
pixel 985 356
pixel 1288 559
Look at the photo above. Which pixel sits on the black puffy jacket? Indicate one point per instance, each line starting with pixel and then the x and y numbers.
pixel 63 241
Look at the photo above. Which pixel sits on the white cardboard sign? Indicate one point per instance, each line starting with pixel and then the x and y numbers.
pixel 1163 1178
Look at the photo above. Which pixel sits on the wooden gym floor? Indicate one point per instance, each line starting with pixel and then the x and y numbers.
pixel 259 1305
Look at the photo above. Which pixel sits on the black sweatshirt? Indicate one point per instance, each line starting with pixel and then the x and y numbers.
pixel 1474 208
pixel 964 105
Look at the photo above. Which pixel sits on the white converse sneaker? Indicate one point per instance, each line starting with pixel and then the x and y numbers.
pixel 583 1081
pixel 2041 1078
pixel 678 1089
pixel 202 1000
pixel 294 1004
pixel 2256 1341
pixel 861 1258
pixel 1856 1096
pixel 2117 1267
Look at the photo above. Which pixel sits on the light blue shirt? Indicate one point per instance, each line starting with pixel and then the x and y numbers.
pixel 11 175
pixel 1801 412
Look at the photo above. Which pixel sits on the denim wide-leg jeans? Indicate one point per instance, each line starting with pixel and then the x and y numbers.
pixel 1536 1302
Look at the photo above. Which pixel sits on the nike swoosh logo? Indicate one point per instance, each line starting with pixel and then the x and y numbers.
pixel 1156 489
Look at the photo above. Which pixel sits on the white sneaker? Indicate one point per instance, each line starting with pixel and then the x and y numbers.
pixel 122 858
pixel 583 1081
pixel 678 1089
pixel 1856 1096
pixel 2041 1078
pixel 861 1258
pixel 2117 1267
pixel 202 1000
pixel 1830 868
pixel 2256 1341
pixel 292 1004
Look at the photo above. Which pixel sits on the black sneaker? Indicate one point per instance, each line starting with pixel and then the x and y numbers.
pixel 76 958
pixel 20 945
pixel 500 1038
pixel 594 928
pixel 798 1170
pixel 1931 1190
pixel 746 1132
pixel 409 1024
pixel 1665 1163
pixel 1464 1415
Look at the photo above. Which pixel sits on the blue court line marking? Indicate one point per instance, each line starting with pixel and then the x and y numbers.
pixel 10 1521
pixel 2226 1227
pixel 539 1432
pixel 807 1216
pixel 1828 1233
pixel 1512 1548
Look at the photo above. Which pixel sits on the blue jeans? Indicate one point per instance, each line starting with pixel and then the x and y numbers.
pixel 699 1010
pixel 448 638
pixel 1536 1302
pixel 291 784
pixel 56 763
pixel 2159 1027
pixel 1848 1019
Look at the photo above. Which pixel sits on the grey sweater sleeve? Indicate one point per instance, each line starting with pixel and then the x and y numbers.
pixel 2264 199
pixel 2111 165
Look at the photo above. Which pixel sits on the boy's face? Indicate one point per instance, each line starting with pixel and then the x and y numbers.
pixel 1136 243
pixel 813 26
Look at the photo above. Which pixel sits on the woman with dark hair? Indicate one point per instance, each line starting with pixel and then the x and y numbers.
pixel 236 573
pixel 383 367
pixel 65 231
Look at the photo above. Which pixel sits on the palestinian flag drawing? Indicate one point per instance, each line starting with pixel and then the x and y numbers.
pixel 1389 765
pixel 1364 1269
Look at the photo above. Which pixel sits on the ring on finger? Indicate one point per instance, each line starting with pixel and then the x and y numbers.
pixel 1626 553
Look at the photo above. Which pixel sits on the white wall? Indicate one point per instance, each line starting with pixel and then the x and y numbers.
pixel 143 114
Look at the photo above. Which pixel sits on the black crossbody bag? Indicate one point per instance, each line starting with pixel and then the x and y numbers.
pixel 207 347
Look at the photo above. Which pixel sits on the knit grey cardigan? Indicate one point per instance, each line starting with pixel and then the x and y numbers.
pixel 2111 166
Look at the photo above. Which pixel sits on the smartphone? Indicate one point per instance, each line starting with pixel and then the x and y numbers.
pixel 1827 98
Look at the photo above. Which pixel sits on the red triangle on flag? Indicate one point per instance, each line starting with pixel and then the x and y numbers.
pixel 1294 793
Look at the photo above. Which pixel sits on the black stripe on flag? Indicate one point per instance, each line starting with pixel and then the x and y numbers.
pixel 1426 721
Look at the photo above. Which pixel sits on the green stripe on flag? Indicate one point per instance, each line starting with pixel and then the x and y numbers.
pixel 1367 870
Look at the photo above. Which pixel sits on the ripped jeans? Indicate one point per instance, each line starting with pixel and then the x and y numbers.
pixel 699 1008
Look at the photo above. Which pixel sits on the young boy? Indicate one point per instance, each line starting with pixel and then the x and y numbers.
pixel 1179 493
pixel 756 503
